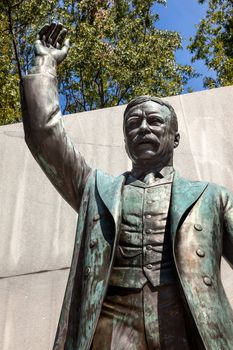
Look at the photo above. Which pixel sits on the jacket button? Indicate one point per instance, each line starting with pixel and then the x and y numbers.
pixel 207 281
pixel 87 271
pixel 149 267
pixel 198 227
pixel 200 252
pixel 96 217
pixel 93 243
pixel 148 216
pixel 149 247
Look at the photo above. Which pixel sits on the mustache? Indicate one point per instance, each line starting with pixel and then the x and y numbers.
pixel 146 139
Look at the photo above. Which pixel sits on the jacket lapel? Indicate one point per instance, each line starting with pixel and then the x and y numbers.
pixel 110 190
pixel 185 193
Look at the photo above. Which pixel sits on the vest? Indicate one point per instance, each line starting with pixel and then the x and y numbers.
pixel 144 251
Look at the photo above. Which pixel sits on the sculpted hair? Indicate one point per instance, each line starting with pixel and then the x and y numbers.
pixel 141 99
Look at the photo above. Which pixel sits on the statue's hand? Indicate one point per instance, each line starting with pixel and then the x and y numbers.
pixel 50 42
pixel 51 48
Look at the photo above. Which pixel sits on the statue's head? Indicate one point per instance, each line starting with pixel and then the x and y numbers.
pixel 150 131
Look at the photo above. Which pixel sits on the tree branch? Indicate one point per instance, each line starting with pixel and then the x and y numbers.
pixel 82 90
pixel 100 86
pixel 76 100
pixel 17 4
pixel 11 30
pixel 123 95
pixel 101 92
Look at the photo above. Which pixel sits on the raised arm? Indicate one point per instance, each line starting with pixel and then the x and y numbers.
pixel 44 131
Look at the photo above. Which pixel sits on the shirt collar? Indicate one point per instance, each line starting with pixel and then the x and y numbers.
pixel 165 175
pixel 166 171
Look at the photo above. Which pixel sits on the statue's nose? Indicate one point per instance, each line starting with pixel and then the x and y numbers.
pixel 144 127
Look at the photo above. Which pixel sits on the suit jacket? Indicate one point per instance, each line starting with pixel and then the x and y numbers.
pixel 201 217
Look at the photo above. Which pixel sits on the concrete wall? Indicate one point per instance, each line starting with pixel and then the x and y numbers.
pixel 37 227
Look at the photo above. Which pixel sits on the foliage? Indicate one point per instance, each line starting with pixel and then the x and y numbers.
pixel 19 23
pixel 117 51
pixel 9 102
pixel 213 42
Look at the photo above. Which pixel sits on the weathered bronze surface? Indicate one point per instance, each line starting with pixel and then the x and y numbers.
pixel 145 272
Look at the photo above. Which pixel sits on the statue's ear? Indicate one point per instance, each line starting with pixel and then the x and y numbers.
pixel 176 139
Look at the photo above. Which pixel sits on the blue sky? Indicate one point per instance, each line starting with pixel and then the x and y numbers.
pixel 182 16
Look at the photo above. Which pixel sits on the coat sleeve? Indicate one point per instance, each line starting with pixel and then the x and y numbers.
pixel 47 140
pixel 228 229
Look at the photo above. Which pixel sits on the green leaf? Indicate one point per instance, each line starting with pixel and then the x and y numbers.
pixel 213 42
pixel 117 52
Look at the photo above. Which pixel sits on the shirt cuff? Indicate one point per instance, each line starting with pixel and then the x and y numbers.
pixel 44 64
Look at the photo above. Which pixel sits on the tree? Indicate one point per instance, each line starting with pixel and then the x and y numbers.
pixel 19 23
pixel 118 53
pixel 9 101
pixel 117 50
pixel 213 42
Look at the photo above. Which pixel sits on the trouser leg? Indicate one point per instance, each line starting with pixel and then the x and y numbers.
pixel 121 326
pixel 148 319
pixel 164 318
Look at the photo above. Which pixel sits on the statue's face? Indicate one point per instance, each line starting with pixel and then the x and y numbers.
pixel 149 136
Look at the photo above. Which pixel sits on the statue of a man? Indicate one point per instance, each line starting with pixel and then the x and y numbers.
pixel 145 272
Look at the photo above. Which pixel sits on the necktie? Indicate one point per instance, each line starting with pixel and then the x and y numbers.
pixel 149 179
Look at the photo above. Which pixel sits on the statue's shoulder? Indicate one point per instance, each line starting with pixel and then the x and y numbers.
pixel 220 189
pixel 183 181
pixel 211 188
pixel 103 179
pixel 102 174
pixel 104 182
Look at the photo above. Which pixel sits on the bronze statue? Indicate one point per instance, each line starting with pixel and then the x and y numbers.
pixel 145 272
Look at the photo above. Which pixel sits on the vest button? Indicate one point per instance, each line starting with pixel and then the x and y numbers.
pixel 149 247
pixel 149 202
pixel 150 190
pixel 149 230
pixel 149 267
pixel 198 227
pixel 200 253
pixel 207 281
pixel 148 216
pixel 93 243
